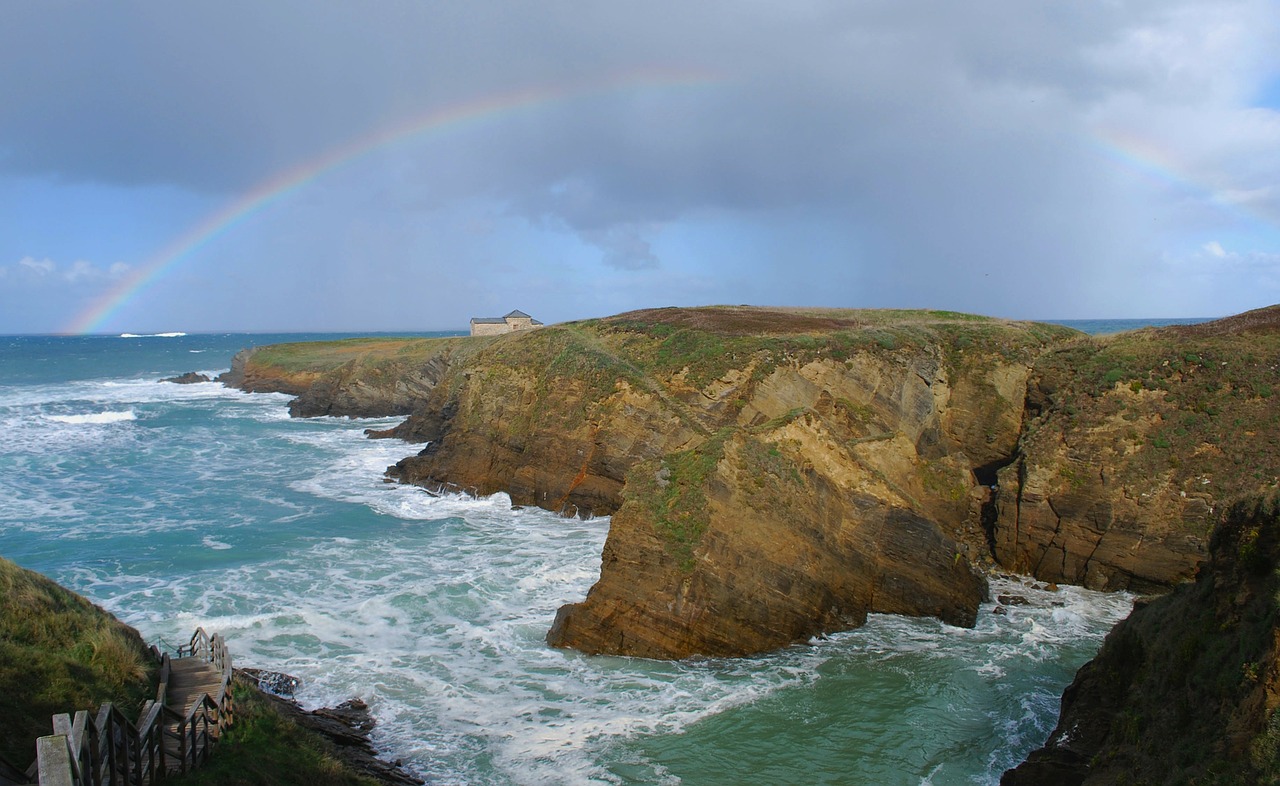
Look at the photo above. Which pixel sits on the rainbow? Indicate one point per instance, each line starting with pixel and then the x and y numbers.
pixel 211 227
pixel 1146 157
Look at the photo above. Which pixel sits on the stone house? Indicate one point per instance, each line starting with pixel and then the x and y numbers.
pixel 490 326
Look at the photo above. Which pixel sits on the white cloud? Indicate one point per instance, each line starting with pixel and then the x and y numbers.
pixel 1215 249
pixel 80 271
pixel 41 266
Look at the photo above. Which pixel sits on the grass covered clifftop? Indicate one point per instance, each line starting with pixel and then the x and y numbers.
pixel 1095 461
pixel 1133 442
pixel 60 653
pixel 874 423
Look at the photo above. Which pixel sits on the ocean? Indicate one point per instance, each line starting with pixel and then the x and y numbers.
pixel 177 506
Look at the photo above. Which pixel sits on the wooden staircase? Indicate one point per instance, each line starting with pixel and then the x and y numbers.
pixel 175 732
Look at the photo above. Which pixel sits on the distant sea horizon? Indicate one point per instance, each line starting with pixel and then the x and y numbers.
pixel 1101 327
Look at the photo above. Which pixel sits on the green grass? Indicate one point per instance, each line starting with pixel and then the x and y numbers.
pixel 318 357
pixel 264 746
pixel 59 654
pixel 673 490
pixel 1199 405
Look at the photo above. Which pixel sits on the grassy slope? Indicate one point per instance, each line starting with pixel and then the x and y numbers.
pixel 322 356
pixel 1198 402
pixel 661 342
pixel 265 747
pixel 60 653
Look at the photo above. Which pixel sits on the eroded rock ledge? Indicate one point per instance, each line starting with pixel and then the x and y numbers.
pixel 779 473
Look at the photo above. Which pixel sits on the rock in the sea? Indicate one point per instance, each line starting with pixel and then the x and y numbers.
pixel 189 378
pixel 276 682
pixel 347 726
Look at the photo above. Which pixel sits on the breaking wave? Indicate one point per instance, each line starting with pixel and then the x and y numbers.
pixel 95 418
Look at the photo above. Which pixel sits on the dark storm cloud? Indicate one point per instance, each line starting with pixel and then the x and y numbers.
pixel 932 137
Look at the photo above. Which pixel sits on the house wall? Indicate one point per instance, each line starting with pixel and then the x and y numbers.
pixel 495 328
pixel 489 328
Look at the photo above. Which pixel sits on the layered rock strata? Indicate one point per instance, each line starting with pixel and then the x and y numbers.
pixel 895 441
pixel 775 474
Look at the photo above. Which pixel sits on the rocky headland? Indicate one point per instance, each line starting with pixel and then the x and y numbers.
pixel 776 474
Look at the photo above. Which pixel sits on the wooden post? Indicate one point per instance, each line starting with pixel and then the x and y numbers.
pixel 54 760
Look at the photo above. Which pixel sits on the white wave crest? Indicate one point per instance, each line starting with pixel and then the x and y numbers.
pixel 95 418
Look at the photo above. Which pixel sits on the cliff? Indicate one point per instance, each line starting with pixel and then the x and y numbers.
pixel 359 377
pixel 1185 690
pixel 774 474
pixel 1131 445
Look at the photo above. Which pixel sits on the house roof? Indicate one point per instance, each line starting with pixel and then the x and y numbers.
pixel 517 315
pixel 488 320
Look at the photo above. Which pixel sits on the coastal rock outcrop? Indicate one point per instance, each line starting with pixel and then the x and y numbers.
pixel 1132 444
pixel 189 378
pixel 1187 689
pixel 841 459
pixel 744 544
pixel 780 473
pixel 357 378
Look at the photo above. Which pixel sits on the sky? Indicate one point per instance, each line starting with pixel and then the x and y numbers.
pixel 405 165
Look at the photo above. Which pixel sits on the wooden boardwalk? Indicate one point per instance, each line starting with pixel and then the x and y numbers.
pixel 189 680
pixel 174 733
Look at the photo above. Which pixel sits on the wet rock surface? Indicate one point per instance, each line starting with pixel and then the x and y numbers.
pixel 189 378
pixel 1187 689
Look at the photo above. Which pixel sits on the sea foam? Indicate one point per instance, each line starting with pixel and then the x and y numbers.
pixel 217 509
pixel 95 418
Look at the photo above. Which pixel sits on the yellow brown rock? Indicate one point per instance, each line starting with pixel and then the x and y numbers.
pixel 842 458
pixel 1132 444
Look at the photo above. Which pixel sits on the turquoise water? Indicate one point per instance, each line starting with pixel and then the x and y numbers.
pixel 176 506
pixel 1099 327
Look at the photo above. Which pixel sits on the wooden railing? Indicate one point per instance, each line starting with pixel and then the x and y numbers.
pixel 110 749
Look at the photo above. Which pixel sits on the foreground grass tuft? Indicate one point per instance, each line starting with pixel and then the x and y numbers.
pixel 60 653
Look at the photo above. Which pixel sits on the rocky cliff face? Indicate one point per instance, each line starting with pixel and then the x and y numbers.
pixel 352 378
pixel 745 544
pixel 1131 446
pixel 1186 690
pixel 775 474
